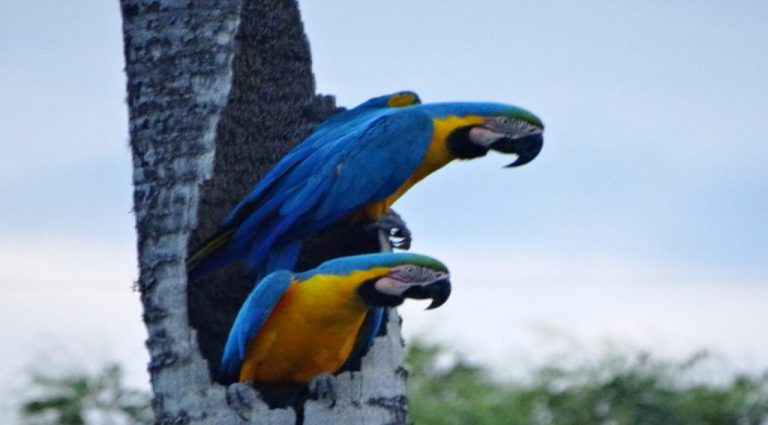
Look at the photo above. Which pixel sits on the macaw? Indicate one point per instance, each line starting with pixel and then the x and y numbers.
pixel 296 326
pixel 356 168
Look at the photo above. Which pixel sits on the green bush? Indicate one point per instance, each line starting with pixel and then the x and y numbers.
pixel 616 390
pixel 79 398
pixel 625 389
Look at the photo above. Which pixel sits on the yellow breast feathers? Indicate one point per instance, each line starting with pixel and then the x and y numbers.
pixel 311 330
pixel 437 156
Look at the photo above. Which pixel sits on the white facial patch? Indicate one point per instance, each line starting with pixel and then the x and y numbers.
pixel 483 136
pixel 389 286
pixel 523 129
pixel 403 277
pixel 514 129
pixel 502 127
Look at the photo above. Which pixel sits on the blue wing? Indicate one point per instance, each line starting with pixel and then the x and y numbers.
pixel 331 129
pixel 366 165
pixel 251 317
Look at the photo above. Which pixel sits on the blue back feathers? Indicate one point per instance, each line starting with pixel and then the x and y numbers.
pixel 376 103
pixel 251 317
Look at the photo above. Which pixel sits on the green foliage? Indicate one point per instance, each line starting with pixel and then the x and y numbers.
pixel 79 398
pixel 617 390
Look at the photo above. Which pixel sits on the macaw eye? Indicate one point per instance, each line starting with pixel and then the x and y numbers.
pixel 505 121
pixel 408 273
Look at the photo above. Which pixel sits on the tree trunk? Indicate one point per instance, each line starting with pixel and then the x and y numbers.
pixel 235 80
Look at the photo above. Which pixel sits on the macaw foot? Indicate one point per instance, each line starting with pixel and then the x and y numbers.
pixel 393 226
pixel 242 398
pixel 323 387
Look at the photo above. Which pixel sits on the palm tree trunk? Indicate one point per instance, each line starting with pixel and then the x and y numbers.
pixel 218 91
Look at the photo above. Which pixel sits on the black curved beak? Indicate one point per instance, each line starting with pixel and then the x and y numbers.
pixel 438 291
pixel 526 148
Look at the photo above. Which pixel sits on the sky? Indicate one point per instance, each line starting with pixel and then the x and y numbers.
pixel 641 224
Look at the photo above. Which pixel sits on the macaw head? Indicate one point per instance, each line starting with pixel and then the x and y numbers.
pixel 413 276
pixel 501 128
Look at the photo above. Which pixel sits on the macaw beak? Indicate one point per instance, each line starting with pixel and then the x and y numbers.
pixel 526 148
pixel 438 291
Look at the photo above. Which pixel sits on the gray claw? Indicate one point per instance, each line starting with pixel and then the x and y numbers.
pixel 394 228
pixel 242 397
pixel 323 387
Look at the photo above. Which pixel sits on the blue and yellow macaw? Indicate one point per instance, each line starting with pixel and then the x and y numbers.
pixel 355 166
pixel 295 326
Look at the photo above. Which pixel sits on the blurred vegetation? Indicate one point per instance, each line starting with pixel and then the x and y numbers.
pixel 616 390
pixel 79 398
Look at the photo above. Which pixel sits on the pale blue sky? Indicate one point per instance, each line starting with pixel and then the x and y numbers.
pixel 643 220
pixel 655 145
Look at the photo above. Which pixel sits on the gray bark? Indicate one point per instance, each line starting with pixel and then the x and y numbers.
pixel 233 79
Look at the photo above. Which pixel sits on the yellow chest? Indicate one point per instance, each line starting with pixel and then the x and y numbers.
pixel 312 329
pixel 436 157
